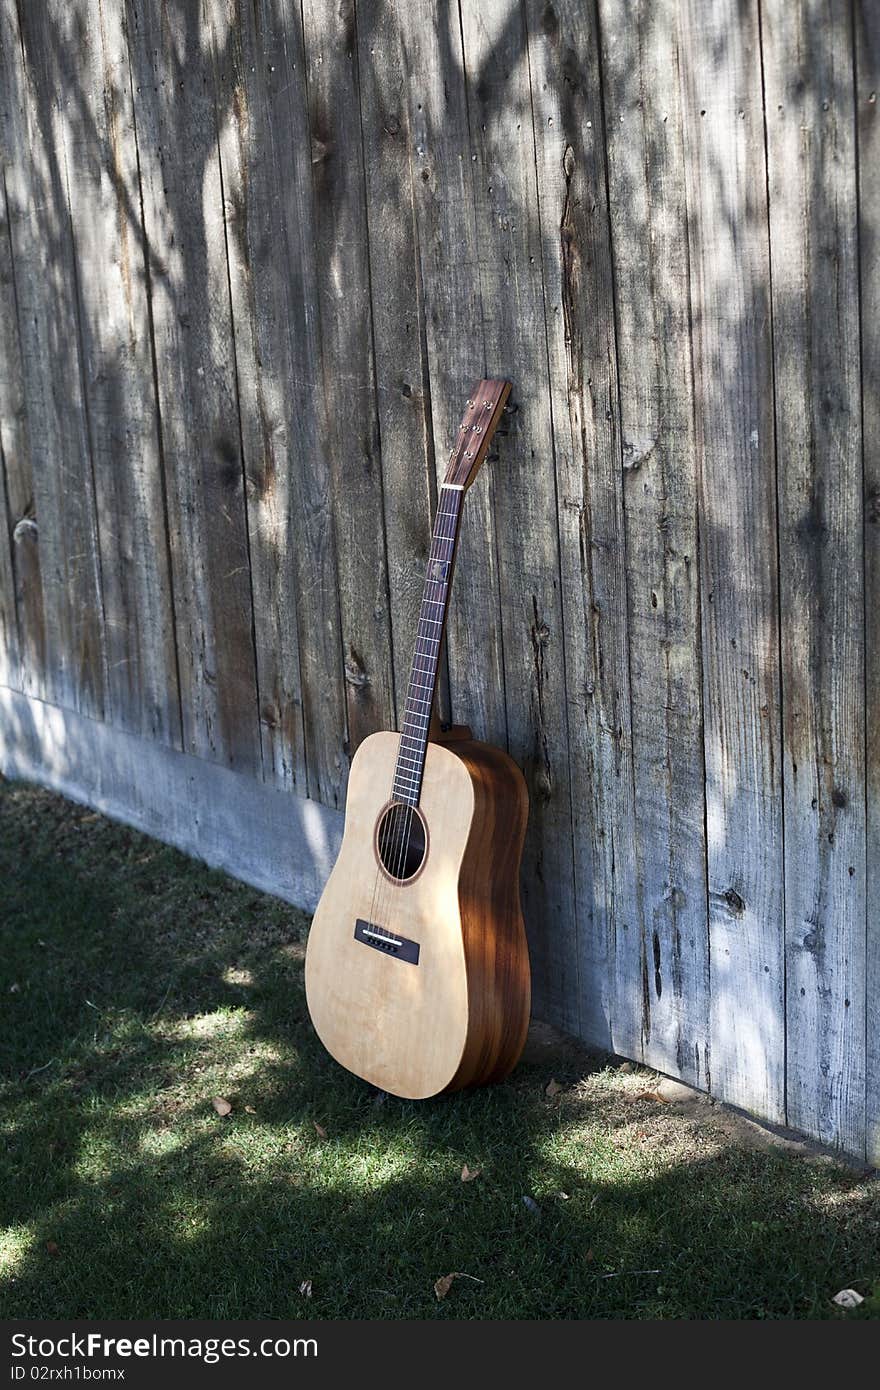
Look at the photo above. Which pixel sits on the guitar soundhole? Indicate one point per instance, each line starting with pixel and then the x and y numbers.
pixel 401 841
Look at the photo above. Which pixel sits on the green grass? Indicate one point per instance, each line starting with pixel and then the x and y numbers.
pixel 137 985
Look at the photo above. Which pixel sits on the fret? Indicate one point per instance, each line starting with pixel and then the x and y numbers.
pixel 410 738
pixel 403 789
pixel 405 763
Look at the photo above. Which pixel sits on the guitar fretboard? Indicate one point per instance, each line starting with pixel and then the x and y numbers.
pixel 423 676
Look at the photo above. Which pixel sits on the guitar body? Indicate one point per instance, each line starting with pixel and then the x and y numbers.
pixel 422 986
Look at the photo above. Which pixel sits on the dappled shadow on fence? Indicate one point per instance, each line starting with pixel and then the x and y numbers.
pixel 247 372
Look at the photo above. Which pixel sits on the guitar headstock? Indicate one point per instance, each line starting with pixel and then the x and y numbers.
pixel 481 418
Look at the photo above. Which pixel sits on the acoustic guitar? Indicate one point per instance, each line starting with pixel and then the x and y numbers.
pixel 417 970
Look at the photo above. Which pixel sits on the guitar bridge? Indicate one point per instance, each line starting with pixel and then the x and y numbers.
pixel 389 942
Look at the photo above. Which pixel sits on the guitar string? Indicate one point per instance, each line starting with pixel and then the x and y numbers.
pixel 395 841
pixel 397 823
pixel 431 656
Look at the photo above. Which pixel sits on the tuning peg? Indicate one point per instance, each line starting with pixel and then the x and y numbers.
pixel 511 408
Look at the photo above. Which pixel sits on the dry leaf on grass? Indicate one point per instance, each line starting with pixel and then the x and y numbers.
pixel 221 1106
pixel 531 1204
pixel 468 1174
pixel 52 1248
pixel 653 1095
pixel 847 1298
pixel 552 1088
pixel 305 1288
pixel 444 1284
pixel 249 1110
pixel 319 1130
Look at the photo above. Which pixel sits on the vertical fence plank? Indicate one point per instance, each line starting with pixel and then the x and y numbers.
pixel 13 445
pixel 808 77
pixel 579 301
pixel 255 57
pixel 867 61
pixel 448 238
pixel 646 171
pixel 25 588
pixel 726 186
pixel 89 63
pixel 267 181
pixel 512 298
pixel 408 466
pixel 176 129
pixel 10 665
pixel 344 291
pixel 63 503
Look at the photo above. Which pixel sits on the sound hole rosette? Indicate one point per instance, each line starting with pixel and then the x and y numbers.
pixel 398 818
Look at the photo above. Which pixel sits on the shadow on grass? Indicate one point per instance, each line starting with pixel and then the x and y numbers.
pixel 137 985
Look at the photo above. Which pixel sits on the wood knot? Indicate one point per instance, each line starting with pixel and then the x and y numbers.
pixel 26 529
pixel 355 675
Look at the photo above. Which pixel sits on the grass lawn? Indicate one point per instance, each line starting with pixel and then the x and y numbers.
pixel 137 986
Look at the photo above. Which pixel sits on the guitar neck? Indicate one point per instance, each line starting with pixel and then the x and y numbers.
pixel 472 444
pixel 429 637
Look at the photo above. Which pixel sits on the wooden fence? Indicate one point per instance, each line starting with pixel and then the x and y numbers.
pixel 252 256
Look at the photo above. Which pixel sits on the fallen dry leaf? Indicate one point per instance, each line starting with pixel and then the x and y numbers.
pixel 468 1174
pixel 52 1247
pixel 221 1106
pixel 249 1109
pixel 552 1088
pixel 531 1204
pixel 652 1095
pixel 305 1288
pixel 319 1130
pixel 847 1298
pixel 444 1284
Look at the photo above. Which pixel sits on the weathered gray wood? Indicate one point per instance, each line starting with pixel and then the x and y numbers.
pixel 10 665
pixel 448 239
pixel 33 111
pixel 808 79
pixel 646 172
pixel 21 591
pixel 408 466
pixel 170 54
pixel 11 409
pixel 253 62
pixel 580 330
pixel 352 422
pixel 723 125
pixel 345 228
pixel 512 299
pixel 867 70
pixel 89 64
pixel 280 843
